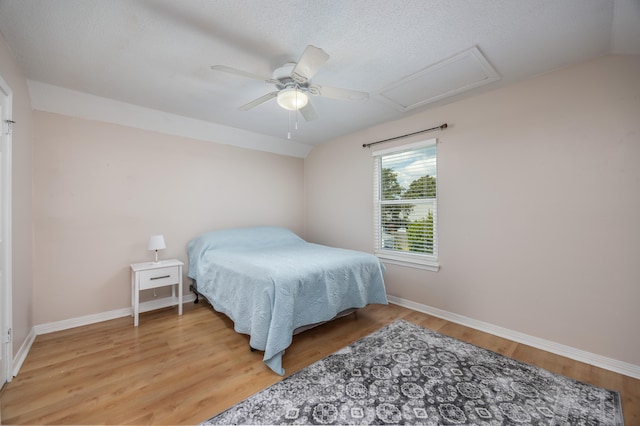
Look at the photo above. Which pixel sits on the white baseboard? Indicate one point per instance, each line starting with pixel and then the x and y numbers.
pixel 89 319
pixel 18 360
pixel 106 316
pixel 621 367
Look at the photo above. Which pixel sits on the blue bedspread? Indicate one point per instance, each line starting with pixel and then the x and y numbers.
pixel 269 281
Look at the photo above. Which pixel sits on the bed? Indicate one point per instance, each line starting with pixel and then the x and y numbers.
pixel 271 282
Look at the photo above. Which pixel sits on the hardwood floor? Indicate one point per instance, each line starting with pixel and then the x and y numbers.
pixel 183 370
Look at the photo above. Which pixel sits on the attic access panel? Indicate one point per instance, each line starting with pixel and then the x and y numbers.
pixel 464 71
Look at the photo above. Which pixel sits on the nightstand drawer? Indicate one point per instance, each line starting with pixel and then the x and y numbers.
pixel 158 277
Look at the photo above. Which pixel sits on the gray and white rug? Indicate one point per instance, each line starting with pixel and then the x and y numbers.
pixel 406 374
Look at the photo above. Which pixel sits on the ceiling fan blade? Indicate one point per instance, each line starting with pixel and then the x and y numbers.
pixel 260 100
pixel 311 60
pixel 308 112
pixel 338 93
pixel 242 73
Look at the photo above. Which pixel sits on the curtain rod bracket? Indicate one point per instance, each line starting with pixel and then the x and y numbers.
pixel 440 127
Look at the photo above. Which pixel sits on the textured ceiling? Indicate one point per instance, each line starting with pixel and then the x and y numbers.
pixel 157 53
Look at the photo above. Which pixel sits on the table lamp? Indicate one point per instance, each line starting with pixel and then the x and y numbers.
pixel 156 242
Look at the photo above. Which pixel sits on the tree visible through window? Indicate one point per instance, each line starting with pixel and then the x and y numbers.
pixel 405 182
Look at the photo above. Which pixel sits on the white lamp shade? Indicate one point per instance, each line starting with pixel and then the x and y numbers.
pixel 292 99
pixel 156 242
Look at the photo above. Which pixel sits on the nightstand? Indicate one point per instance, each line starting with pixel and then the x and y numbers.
pixel 153 275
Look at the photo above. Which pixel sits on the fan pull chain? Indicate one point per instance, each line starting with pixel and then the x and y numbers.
pixel 297 106
pixel 295 120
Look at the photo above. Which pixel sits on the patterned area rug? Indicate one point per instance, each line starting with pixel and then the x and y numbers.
pixel 406 374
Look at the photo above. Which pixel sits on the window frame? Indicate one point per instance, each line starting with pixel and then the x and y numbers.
pixel 411 259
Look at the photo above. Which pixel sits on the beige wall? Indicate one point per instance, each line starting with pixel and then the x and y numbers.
pixel 101 189
pixel 539 206
pixel 22 235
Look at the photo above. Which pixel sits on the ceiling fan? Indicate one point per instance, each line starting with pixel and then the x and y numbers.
pixel 293 84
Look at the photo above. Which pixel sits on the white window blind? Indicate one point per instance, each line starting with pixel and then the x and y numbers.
pixel 405 204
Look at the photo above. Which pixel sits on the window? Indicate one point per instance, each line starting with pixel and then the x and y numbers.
pixel 406 206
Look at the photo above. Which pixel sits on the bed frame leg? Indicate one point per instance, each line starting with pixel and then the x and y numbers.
pixel 192 288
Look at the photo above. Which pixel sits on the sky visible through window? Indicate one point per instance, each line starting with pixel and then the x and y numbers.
pixel 422 162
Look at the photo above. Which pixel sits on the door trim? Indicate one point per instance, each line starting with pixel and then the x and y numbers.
pixel 6 98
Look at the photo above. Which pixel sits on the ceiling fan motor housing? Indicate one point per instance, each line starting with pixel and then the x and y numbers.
pixel 285 79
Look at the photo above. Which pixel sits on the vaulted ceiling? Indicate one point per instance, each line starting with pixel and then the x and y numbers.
pixel 408 55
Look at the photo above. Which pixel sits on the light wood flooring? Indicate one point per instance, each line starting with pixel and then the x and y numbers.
pixel 183 370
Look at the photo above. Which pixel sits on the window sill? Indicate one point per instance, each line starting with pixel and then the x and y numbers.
pixel 409 260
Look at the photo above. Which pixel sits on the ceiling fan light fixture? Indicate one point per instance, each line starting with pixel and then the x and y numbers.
pixel 292 99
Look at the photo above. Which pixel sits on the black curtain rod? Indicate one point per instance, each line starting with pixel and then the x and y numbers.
pixel 440 127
